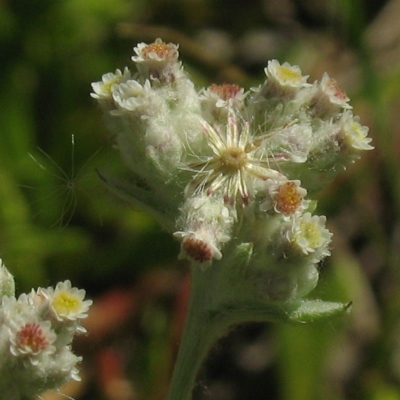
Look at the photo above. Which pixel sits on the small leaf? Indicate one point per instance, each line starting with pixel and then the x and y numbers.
pixel 140 194
pixel 312 310
pixel 239 312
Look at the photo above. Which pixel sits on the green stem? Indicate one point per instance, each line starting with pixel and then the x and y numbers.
pixel 223 296
pixel 199 335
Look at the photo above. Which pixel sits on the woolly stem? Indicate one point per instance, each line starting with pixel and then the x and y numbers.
pixel 199 335
pixel 222 297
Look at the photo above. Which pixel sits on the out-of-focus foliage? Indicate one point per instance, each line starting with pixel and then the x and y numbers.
pixel 51 50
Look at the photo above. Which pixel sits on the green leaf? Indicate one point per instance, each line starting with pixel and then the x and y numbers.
pixel 313 310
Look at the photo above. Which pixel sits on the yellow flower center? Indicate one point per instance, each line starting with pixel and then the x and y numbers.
pixel 225 91
pixel 107 86
pixel 65 303
pixel 287 74
pixel 160 48
pixel 287 199
pixel 232 160
pixel 311 233
pixel 356 128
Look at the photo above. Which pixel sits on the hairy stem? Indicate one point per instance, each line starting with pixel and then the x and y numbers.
pixel 199 335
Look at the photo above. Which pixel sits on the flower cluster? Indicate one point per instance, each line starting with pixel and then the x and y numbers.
pixel 36 332
pixel 223 166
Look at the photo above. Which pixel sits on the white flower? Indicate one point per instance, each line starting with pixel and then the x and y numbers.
pixel 131 96
pixel 285 75
pixel 103 89
pixel 285 197
pixel 309 235
pixel 283 83
pixel 236 161
pixel 218 99
pixel 31 338
pixel 66 302
pixel 223 96
pixel 35 352
pixel 332 90
pixel 327 98
pixel 157 51
pixel 158 61
pixel 352 134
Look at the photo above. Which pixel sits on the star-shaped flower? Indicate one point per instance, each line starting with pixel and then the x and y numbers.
pixel 236 162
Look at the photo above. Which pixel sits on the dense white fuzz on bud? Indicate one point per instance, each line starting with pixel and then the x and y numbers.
pixel 36 332
pixel 205 225
pixel 292 142
pixel 328 98
pixel 216 100
pixel 230 168
pixel 158 60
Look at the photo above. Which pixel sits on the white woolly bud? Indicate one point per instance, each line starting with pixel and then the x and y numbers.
pixel 189 127
pixel 328 98
pixel 206 224
pixel 63 368
pixel 293 142
pixel 163 145
pixel 199 247
pixel 185 96
pixel 218 99
pixel 21 307
pixel 157 60
pixel 283 81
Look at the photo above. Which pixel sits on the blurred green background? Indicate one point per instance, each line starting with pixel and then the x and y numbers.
pixel 58 222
